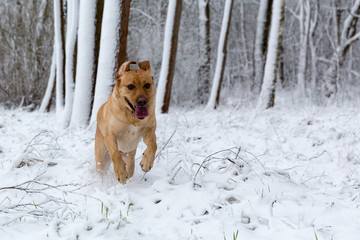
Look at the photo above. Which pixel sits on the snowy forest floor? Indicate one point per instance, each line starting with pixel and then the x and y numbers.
pixel 287 173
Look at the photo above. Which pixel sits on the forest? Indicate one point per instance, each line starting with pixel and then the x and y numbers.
pixel 257 119
pixel 227 46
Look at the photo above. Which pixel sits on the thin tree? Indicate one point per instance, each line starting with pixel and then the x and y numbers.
pixel 267 95
pixel 261 40
pixel 90 14
pixel 203 81
pixel 70 58
pixel 59 40
pixel 169 56
pixel 221 57
pixel 46 101
pixel 304 23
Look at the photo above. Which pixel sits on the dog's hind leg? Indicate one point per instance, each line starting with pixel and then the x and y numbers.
pixel 129 159
pixel 102 156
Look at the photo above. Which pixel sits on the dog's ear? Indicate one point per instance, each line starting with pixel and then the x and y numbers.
pixel 145 65
pixel 123 68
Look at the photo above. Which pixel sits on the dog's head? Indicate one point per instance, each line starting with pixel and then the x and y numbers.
pixel 135 88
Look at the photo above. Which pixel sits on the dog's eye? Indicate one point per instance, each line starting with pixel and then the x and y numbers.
pixel 147 85
pixel 131 86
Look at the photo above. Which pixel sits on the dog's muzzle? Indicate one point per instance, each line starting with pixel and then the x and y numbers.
pixel 141 109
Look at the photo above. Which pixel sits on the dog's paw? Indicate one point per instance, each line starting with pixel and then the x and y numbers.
pixel 121 173
pixel 146 165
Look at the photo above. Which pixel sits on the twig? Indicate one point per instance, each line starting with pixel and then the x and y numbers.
pixel 165 144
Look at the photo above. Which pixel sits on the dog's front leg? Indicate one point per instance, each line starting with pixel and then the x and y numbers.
pixel 119 164
pixel 149 154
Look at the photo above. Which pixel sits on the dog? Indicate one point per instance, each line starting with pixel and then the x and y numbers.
pixel 124 119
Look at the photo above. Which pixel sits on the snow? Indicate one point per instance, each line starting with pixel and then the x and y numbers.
pixel 164 72
pixel 85 64
pixel 220 55
pixel 108 47
pixel 288 173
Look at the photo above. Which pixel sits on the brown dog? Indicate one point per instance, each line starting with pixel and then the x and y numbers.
pixel 126 117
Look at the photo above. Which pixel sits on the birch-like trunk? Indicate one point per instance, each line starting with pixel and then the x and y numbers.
pixel 172 27
pixel 267 95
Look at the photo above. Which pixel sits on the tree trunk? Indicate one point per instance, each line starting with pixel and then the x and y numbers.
pixel 203 81
pixel 70 63
pixel 304 21
pixel 221 57
pixel 348 36
pixel 49 89
pixel 85 63
pixel 261 40
pixel 59 32
pixel 107 65
pixel 123 31
pixel 169 56
pixel 267 95
pixel 312 44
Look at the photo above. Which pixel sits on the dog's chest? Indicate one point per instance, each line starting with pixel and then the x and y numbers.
pixel 129 139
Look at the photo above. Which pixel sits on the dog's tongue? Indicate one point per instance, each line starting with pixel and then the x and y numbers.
pixel 141 112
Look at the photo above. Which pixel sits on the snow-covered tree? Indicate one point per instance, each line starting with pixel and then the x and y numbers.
pixel 70 58
pixel 203 81
pixel 169 56
pixel 267 95
pixel 221 57
pixel 261 39
pixel 46 101
pixel 109 47
pixel 59 39
pixel 86 60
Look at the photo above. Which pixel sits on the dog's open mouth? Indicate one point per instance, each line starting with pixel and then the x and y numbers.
pixel 140 111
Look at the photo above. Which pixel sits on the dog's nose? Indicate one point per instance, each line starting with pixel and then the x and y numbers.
pixel 141 101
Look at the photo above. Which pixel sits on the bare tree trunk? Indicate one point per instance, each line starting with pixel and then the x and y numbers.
pixel 70 60
pixel 49 89
pixel 261 40
pixel 267 95
pixel 109 49
pixel 169 56
pixel 123 31
pixel 203 86
pixel 348 36
pixel 221 56
pixel 60 54
pixel 304 21
pixel 86 64
pixel 312 44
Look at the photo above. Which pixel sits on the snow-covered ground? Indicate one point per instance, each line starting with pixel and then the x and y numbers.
pixel 283 174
